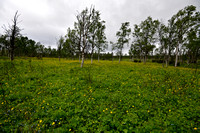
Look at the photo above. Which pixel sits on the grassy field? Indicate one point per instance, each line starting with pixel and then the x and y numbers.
pixel 48 95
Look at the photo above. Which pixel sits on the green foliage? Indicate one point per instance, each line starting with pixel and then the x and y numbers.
pixel 122 37
pixel 51 96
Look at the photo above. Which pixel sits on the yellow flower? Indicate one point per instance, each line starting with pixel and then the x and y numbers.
pixel 2 102
pixel 170 110
pixel 53 123
pixel 111 112
pixel 120 100
pixel 133 106
pixel 106 108
pixel 103 110
pixel 195 128
pixel 40 121
pixel 70 129
pixel 127 111
pixel 148 111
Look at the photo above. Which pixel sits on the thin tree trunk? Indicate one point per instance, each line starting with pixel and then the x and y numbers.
pixel 120 56
pixel 12 52
pixel 92 58
pixel 82 59
pixel 145 58
pixel 112 57
pixel 176 61
pixel 166 62
pixel 98 56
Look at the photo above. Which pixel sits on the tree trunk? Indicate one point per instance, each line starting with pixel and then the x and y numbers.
pixel 82 59
pixel 120 56
pixel 92 58
pixel 11 55
pixel 12 48
pixel 145 59
pixel 166 57
pixel 176 61
pixel 98 56
pixel 59 58
pixel 112 57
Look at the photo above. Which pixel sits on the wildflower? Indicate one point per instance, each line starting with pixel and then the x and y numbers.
pixel 127 111
pixel 12 108
pixel 2 103
pixel 170 110
pixel 195 128
pixel 148 111
pixel 120 100
pixel 53 123
pixel 70 129
pixel 40 121
pixel 106 108
pixel 103 110
pixel 111 112
pixel 133 106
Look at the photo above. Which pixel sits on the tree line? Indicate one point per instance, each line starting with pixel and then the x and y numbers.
pixel 178 40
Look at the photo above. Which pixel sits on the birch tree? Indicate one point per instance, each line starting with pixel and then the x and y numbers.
pixel 122 38
pixel 101 43
pixel 183 23
pixel 60 46
pixel 144 36
pixel 83 26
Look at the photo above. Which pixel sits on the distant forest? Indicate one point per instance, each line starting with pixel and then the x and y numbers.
pixel 177 42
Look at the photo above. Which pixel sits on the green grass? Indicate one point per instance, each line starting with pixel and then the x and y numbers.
pixel 51 96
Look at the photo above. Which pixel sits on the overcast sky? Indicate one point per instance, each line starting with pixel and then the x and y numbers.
pixel 45 20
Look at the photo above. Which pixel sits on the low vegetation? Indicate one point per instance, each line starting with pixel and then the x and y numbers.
pixel 49 95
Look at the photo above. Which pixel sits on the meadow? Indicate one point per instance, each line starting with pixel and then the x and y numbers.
pixel 49 95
